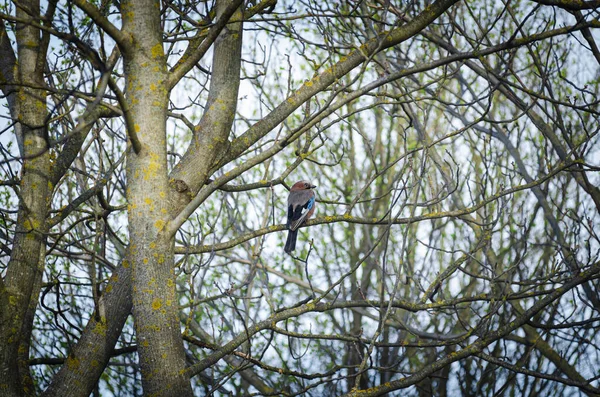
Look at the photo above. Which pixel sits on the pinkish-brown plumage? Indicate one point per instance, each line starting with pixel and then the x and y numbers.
pixel 301 206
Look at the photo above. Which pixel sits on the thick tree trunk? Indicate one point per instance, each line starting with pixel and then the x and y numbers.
pixel 155 306
pixel 23 272
pixel 145 71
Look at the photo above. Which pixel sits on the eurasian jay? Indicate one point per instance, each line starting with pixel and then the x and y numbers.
pixel 301 206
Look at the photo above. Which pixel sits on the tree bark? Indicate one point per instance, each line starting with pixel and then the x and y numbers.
pixel 151 253
pixel 95 346
pixel 29 112
pixel 86 362
pixel 211 136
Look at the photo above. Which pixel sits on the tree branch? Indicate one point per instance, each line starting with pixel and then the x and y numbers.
pixel 198 46
pixel 329 76
pixel 120 37
pixel 573 5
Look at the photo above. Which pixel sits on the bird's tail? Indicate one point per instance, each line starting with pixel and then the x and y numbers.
pixel 290 243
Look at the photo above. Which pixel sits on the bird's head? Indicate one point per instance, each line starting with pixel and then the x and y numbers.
pixel 302 185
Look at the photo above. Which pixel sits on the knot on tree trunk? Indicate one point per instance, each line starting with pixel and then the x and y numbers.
pixel 180 186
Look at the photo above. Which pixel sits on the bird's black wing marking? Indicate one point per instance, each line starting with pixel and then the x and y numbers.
pixel 296 216
pixel 290 216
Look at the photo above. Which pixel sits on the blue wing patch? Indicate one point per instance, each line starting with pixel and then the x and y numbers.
pixel 296 215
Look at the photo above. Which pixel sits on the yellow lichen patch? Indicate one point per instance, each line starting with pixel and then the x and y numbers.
pixel 152 245
pixel 109 288
pixel 148 201
pixel 30 224
pixel 157 50
pixel 170 282
pixel 95 363
pixel 153 167
pixel 100 328
pixel 152 282
pixel 145 260
pixel 125 263
pixel 73 362
pixel 145 343
pixel 156 304
pixel 159 224
pixel 152 87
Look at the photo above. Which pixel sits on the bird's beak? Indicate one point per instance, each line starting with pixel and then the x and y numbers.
pixel 313 186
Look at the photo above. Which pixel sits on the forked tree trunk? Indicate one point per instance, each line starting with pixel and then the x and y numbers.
pixel 151 253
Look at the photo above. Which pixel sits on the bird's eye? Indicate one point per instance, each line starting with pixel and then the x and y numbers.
pixel 306 185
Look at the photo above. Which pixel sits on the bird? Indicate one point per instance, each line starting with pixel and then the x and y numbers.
pixel 301 206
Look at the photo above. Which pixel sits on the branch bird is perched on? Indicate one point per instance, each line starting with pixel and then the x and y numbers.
pixel 301 206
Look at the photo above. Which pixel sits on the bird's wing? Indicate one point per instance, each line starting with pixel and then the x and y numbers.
pixel 297 212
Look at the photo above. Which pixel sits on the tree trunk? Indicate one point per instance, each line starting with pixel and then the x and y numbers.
pixel 155 306
pixel 86 362
pixel 23 272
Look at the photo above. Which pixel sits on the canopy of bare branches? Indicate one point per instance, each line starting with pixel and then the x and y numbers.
pixel 147 148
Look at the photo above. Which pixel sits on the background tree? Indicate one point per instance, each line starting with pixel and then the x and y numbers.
pixel 146 155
